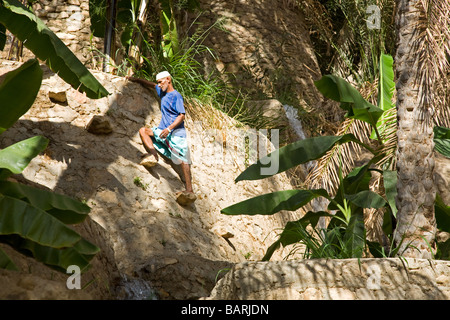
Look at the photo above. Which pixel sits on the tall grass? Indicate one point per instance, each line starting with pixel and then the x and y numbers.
pixel 200 88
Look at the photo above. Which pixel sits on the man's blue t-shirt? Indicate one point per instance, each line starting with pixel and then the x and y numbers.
pixel 171 106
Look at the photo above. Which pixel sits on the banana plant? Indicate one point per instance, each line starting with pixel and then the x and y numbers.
pixel 34 221
pixel 442 140
pixel 170 42
pixel 37 37
pixel 345 233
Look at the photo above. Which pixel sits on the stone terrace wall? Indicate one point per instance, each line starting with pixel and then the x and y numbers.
pixel 70 21
pixel 327 279
pixel 264 46
pixel 179 250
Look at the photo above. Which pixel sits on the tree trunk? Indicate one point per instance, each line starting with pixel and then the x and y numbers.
pixel 416 223
pixel 110 35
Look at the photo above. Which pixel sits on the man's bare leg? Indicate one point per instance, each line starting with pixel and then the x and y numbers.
pixel 146 134
pixel 187 176
pixel 186 197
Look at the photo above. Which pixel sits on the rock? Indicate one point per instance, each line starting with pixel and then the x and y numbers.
pixel 58 96
pixel 149 161
pixel 223 232
pixel 271 110
pixel 185 198
pixel 265 57
pixel 99 125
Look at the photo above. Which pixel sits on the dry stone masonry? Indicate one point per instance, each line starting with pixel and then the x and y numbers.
pixel 334 279
pixel 94 154
pixel 70 21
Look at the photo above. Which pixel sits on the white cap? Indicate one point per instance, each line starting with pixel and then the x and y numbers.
pixel 163 74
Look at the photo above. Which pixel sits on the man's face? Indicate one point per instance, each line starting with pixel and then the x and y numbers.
pixel 163 83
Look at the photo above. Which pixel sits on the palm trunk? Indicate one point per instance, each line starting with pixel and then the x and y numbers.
pixel 110 32
pixel 416 224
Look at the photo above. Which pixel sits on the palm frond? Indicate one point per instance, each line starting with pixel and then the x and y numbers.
pixel 433 47
pixel 326 173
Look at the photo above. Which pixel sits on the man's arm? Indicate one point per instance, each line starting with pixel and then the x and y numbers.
pixel 176 123
pixel 145 83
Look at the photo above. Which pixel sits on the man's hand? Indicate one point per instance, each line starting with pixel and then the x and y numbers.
pixel 164 134
pixel 145 83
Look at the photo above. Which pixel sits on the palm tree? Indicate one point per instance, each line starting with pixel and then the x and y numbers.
pixel 422 45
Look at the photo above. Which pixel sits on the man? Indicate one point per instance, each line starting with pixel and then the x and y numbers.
pixel 169 138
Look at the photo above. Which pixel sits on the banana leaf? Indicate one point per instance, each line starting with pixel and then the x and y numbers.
pixel 386 84
pixel 16 158
pixel 443 250
pixel 271 203
pixel 442 213
pixel 355 235
pixel 6 262
pixel 442 140
pixel 65 209
pixel 356 181
pixel 294 154
pixel 37 37
pixel 20 218
pixel 386 87
pixel 367 199
pixel 291 232
pixel 357 107
pixel 390 187
pixel 80 254
pixel 59 259
pixel 18 92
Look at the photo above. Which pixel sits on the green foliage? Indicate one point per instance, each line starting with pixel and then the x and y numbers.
pixel 344 43
pixel 157 46
pixel 35 221
pixel 37 37
pixel 386 88
pixel 270 203
pixel 442 140
pixel 345 234
pixel 296 153
pixel 2 36
pixel 169 34
pixel 186 70
pixel 97 15
pixel 357 107
pixel 26 78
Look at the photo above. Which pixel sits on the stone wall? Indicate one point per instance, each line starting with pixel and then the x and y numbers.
pixel 70 21
pixel 263 47
pixel 178 250
pixel 330 279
